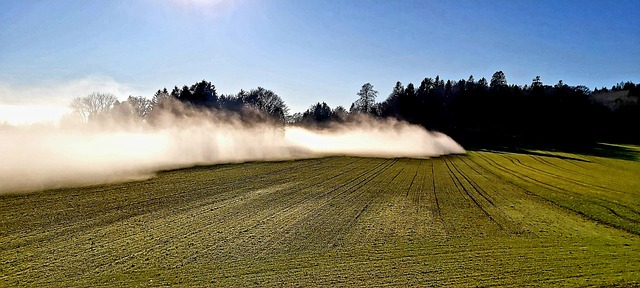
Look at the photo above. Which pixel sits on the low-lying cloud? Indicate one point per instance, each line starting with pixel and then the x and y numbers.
pixel 48 102
pixel 46 156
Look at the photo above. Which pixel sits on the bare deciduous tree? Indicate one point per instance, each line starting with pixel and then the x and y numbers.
pixel 92 105
pixel 141 106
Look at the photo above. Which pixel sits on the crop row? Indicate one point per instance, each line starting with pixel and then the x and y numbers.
pixel 480 219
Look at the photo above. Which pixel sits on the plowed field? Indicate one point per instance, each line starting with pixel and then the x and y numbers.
pixel 480 219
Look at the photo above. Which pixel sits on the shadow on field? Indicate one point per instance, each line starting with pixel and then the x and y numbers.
pixel 614 151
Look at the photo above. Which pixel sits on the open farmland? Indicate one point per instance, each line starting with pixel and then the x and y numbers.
pixel 484 218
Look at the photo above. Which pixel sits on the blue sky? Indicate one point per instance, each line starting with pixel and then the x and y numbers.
pixel 307 51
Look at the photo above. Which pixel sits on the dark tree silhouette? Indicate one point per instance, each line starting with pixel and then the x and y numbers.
pixel 367 99
pixel 317 114
pixel 202 94
pixel 339 114
pixel 498 80
pixel 408 104
pixel 266 101
pixel 474 113
pixel 391 105
pixel 537 83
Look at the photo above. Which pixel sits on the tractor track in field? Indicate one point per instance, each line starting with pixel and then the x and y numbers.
pixel 229 201
pixel 567 193
pixel 576 163
pixel 314 196
pixel 470 196
pixel 484 193
pixel 462 159
pixel 616 213
pixel 331 222
pixel 157 200
pixel 519 163
pixel 548 163
pixel 455 182
pixel 246 214
pixel 474 185
pixel 340 236
pixel 435 195
pixel 470 182
pixel 587 185
pixel 367 177
pixel 186 208
pixel 372 196
pixel 526 191
pixel 418 193
pixel 291 207
pixel 475 168
pixel 524 177
pixel 397 174
pixel 434 205
pixel 411 185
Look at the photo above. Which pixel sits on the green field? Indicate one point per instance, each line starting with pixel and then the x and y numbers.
pixel 486 218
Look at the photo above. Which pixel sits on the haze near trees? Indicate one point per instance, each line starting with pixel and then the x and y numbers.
pixel 475 113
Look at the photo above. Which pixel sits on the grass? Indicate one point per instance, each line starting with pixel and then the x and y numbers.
pixel 481 219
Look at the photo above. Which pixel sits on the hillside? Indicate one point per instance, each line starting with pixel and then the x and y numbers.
pixel 485 218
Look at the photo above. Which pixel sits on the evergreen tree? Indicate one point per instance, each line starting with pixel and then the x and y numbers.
pixel 483 83
pixel 536 83
pixel 203 94
pixel 367 99
pixel 498 80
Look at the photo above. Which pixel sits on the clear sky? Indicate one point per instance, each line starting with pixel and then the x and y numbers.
pixel 306 51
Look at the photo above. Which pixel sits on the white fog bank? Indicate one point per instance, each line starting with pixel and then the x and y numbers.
pixel 47 156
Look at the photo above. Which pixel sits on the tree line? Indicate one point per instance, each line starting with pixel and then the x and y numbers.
pixel 476 113
pixel 489 113
pixel 258 104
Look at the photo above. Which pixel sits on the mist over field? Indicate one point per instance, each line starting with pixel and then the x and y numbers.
pixel 41 156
